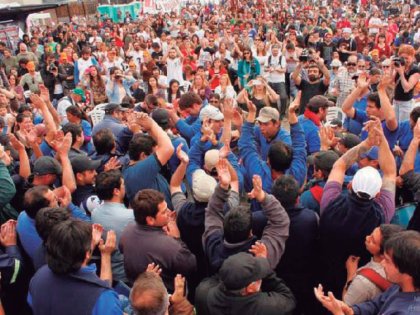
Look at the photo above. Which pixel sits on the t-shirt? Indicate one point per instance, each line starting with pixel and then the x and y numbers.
pixel 174 70
pixel 308 91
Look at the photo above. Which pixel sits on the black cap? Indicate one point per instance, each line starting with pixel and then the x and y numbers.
pixel 349 140
pixel 240 270
pixel 161 116
pixel 47 165
pixel 324 160
pixel 110 108
pixel 319 101
pixel 83 163
pixel 336 122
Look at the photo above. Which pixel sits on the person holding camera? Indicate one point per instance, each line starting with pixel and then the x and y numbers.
pixel 118 86
pixel 314 86
pixel 53 75
pixel 406 76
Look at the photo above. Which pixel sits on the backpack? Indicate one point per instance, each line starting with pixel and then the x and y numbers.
pixel 375 278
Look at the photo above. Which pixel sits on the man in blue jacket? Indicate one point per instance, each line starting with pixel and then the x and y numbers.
pixel 269 130
pixel 282 159
pixel 191 104
pixel 315 113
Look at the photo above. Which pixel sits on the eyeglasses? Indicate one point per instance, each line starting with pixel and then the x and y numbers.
pixel 213 101
pixel 351 64
pixel 335 67
pixel 361 66
pixel 385 67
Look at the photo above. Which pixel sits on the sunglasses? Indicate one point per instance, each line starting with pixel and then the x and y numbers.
pixel 351 64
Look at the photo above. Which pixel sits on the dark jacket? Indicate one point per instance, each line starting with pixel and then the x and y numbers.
pixel 275 298
pixel 274 235
pixel 50 80
pixel 142 245
pixel 47 291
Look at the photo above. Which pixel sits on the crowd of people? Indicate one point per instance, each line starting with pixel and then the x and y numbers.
pixel 244 158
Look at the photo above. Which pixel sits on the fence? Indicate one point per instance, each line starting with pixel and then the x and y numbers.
pixel 85 8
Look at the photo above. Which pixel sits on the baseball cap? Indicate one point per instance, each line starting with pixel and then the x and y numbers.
pixel 210 159
pixel 47 165
pixel 267 114
pixel 374 52
pixel 83 163
pixel 111 107
pixel 80 92
pixel 324 160
pixel 387 62
pixel 240 270
pixel 211 112
pixel 372 154
pixel 367 181
pixel 160 115
pixel 336 122
pixel 319 101
pixel 349 140
pixel 336 63
pixel 203 185
pixel 347 30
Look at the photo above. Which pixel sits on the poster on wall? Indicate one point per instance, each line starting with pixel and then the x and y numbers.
pixel 9 34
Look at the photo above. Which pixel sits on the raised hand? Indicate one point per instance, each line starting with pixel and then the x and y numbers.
pixel 386 82
pixel 228 109
pixel 45 93
pixel 363 82
pixel 112 164
pixel 4 156
pixel 171 229
pixel 36 100
pixel 181 155
pixel 109 246
pixel 16 144
pixel 97 231
pixel 259 250
pixel 154 268
pixel 293 108
pixel 352 264
pixel 144 121
pixel 416 130
pixel 63 196
pixel 335 306
pixel 257 191
pixel 251 106
pixel 8 233
pixel 237 119
pixel 179 293
pixel 223 173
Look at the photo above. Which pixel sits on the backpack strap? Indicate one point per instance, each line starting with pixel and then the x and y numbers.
pixel 317 192
pixel 375 277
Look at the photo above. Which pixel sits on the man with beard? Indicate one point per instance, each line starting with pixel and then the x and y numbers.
pixel 83 63
pixel 315 86
pixel 326 48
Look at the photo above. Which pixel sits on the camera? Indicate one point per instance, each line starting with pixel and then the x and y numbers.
pixel 304 57
pixel 398 61
pixel 355 77
pixel 52 67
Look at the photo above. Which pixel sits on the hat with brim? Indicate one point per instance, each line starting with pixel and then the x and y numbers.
pixel 161 116
pixel 240 270
pixel 81 93
pixel 83 163
pixel 211 112
pixel 320 101
pixel 367 182
pixel 45 165
pixel 110 108
pixel 267 114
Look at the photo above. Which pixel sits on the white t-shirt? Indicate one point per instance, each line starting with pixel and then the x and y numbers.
pixel 276 63
pixel 374 21
pixel 96 39
pixel 82 65
pixel 174 70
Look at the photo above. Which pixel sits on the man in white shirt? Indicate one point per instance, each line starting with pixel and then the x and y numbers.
pixel 137 54
pixel 94 40
pixel 173 61
pixel 275 68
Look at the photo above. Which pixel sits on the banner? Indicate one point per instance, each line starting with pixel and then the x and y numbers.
pixel 117 12
pixel 9 34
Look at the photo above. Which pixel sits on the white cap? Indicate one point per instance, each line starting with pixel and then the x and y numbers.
pixel 203 186
pixel 368 181
pixel 211 112
pixel 347 30
pixel 210 159
pixel 336 63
